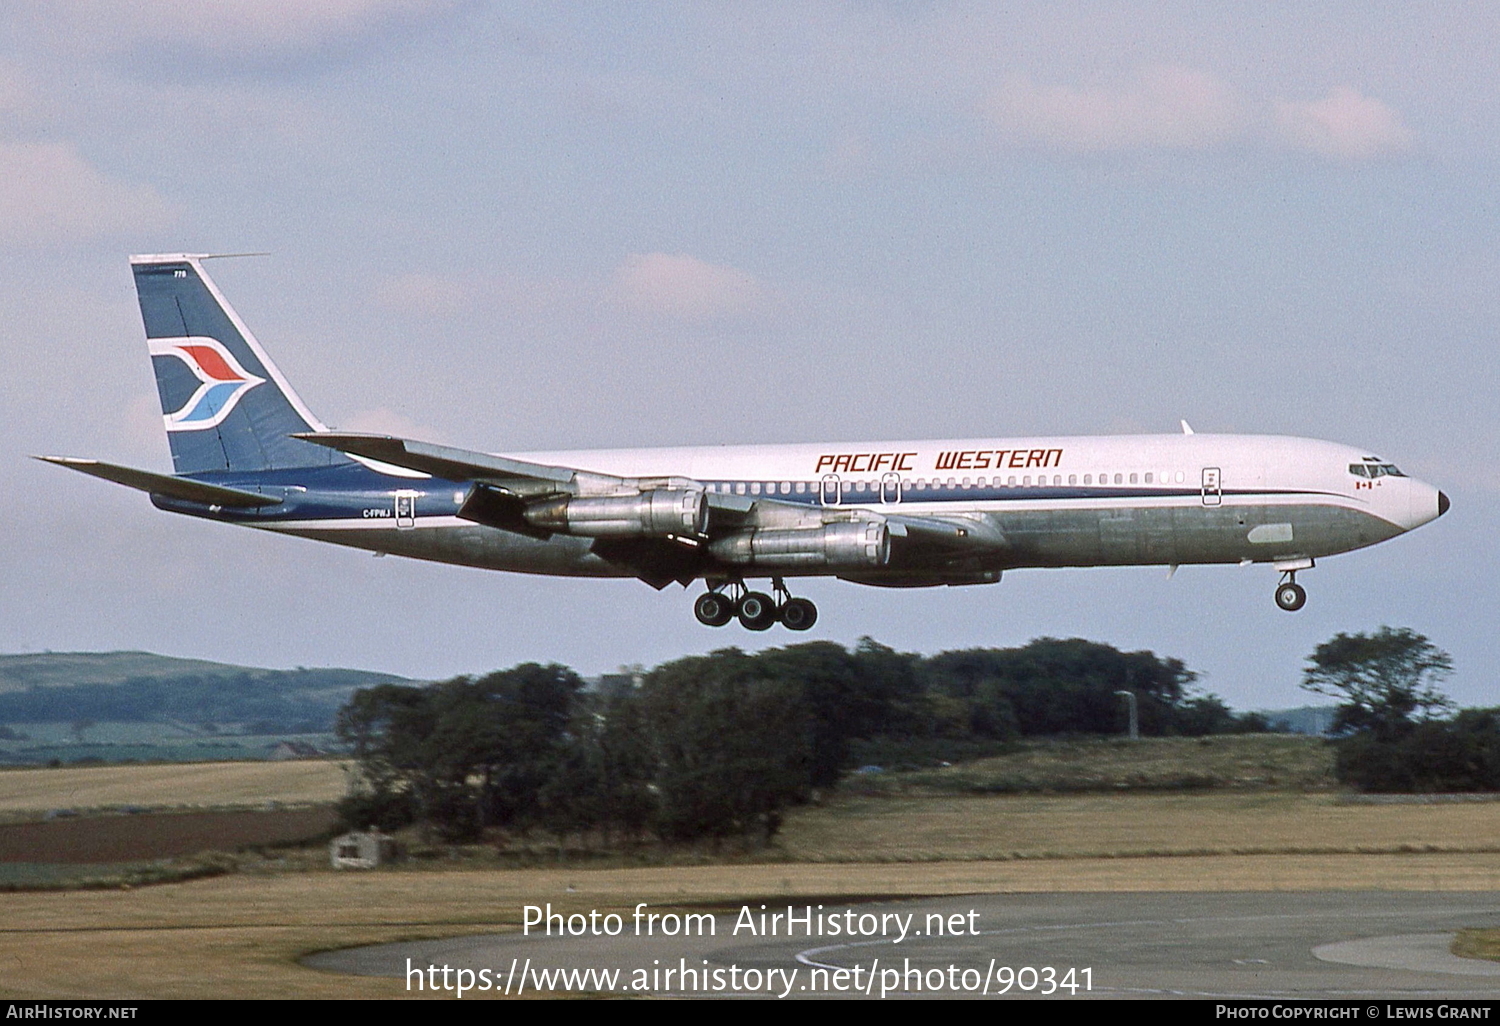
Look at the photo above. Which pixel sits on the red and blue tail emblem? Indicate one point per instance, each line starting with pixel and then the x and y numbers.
pixel 223 381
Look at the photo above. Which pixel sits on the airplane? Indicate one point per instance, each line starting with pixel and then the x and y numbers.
pixel 246 450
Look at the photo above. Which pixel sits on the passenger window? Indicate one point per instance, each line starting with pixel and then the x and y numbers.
pixel 739 488
pixel 1026 480
pixel 801 487
pixel 1132 478
pixel 1012 482
pixel 1072 479
pixel 1088 479
pixel 1148 477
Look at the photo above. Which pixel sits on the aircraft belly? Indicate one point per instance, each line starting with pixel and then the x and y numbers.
pixel 1160 535
pixel 1118 536
pixel 474 545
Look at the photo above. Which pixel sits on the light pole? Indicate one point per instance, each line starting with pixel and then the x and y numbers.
pixel 1135 723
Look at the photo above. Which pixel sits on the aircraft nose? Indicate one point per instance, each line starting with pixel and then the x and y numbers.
pixel 1443 503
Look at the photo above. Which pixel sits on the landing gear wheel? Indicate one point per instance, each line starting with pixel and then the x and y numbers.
pixel 798 614
pixel 756 611
pixel 1291 596
pixel 713 609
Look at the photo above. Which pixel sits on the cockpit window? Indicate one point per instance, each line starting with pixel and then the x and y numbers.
pixel 1375 470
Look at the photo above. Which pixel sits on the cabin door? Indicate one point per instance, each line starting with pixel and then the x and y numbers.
pixel 406 509
pixel 1213 489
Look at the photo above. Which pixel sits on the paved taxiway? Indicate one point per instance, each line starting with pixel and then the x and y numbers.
pixel 1346 944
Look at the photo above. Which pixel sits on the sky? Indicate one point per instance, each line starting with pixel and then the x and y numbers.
pixel 512 227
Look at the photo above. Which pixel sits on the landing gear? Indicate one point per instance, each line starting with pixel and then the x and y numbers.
pixel 1290 595
pixel 713 609
pixel 798 614
pixel 757 611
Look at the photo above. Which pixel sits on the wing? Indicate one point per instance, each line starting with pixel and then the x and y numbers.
pixel 666 529
pixel 444 461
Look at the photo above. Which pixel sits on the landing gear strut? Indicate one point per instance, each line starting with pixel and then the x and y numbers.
pixel 1290 595
pixel 757 611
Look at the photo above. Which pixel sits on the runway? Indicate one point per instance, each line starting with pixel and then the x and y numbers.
pixel 1357 945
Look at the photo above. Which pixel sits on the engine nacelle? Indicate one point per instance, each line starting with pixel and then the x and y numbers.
pixel 654 514
pixel 850 544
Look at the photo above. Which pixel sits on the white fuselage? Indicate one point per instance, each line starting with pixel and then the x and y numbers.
pixel 1050 501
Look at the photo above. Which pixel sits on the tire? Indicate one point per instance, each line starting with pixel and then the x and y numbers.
pixel 713 609
pixel 757 612
pixel 798 614
pixel 1291 597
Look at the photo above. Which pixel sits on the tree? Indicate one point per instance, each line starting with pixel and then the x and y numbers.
pixel 1388 681
pixel 733 746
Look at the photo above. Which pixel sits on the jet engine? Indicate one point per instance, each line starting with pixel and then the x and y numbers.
pixel 654 514
pixel 849 544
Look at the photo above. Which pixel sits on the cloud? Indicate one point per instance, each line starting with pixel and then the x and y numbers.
pixel 685 288
pixel 49 193
pixel 1166 106
pixel 1178 108
pixel 1345 124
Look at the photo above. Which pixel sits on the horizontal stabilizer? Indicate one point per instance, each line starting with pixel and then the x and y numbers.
pixel 184 488
pixel 442 461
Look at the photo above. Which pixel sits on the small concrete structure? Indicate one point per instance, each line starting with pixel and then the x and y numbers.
pixel 288 750
pixel 361 849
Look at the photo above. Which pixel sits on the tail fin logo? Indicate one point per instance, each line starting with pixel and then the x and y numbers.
pixel 222 381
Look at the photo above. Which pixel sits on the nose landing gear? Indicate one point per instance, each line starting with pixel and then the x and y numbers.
pixel 1290 595
pixel 757 611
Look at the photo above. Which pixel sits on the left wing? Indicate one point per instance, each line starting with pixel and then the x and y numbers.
pixel 672 528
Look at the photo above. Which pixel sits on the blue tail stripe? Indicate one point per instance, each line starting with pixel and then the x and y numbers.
pixel 178 303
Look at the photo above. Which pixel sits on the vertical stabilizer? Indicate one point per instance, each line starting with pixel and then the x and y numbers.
pixel 225 404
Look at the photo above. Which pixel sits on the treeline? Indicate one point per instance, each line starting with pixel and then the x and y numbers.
pixel 270 701
pixel 718 745
pixel 1394 729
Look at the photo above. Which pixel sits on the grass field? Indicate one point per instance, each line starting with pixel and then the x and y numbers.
pixel 948 827
pixel 1245 762
pixel 240 935
pixel 176 785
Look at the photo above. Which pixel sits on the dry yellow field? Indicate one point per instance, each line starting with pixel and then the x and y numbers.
pixel 203 784
pixel 934 828
pixel 241 935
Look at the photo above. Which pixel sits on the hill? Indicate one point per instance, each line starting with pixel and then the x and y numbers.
pixel 95 693
pixel 65 669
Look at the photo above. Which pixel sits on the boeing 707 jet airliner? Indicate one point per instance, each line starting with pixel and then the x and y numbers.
pixel 246 450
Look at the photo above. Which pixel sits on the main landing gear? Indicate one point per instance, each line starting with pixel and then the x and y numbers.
pixel 1290 595
pixel 756 610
